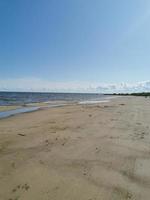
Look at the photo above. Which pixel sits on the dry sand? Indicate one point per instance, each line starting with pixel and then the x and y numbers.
pixel 79 152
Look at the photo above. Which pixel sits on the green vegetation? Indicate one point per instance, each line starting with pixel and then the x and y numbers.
pixel 145 94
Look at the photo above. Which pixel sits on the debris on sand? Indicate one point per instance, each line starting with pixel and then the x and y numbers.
pixel 21 134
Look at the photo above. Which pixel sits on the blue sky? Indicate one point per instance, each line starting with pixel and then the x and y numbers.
pixel 66 41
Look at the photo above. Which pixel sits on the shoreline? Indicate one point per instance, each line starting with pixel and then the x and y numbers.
pixel 8 111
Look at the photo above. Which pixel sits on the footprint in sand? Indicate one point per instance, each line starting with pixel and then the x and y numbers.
pixel 138 123
pixel 18 188
pixel 85 172
pixel 97 150
pixel 140 135
pixel 23 187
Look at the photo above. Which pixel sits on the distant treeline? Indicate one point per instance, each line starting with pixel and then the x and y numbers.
pixel 145 94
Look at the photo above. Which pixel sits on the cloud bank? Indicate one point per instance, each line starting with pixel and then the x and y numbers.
pixel 39 85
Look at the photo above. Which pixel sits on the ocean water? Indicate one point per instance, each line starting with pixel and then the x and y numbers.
pixel 9 113
pixel 23 98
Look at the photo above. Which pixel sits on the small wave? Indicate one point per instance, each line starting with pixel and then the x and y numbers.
pixel 93 102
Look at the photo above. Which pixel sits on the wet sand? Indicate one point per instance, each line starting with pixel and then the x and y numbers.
pixel 77 152
pixel 7 108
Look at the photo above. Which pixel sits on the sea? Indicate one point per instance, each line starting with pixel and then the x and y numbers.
pixel 26 99
pixel 23 98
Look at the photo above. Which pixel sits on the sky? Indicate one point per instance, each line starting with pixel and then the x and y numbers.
pixel 74 45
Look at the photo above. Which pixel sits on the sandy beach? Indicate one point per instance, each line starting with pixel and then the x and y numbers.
pixel 77 152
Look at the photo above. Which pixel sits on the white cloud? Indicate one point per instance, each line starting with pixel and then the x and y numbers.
pixel 39 85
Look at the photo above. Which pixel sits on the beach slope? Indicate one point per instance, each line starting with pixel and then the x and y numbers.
pixel 77 152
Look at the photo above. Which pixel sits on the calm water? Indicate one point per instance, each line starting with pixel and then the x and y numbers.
pixel 21 98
